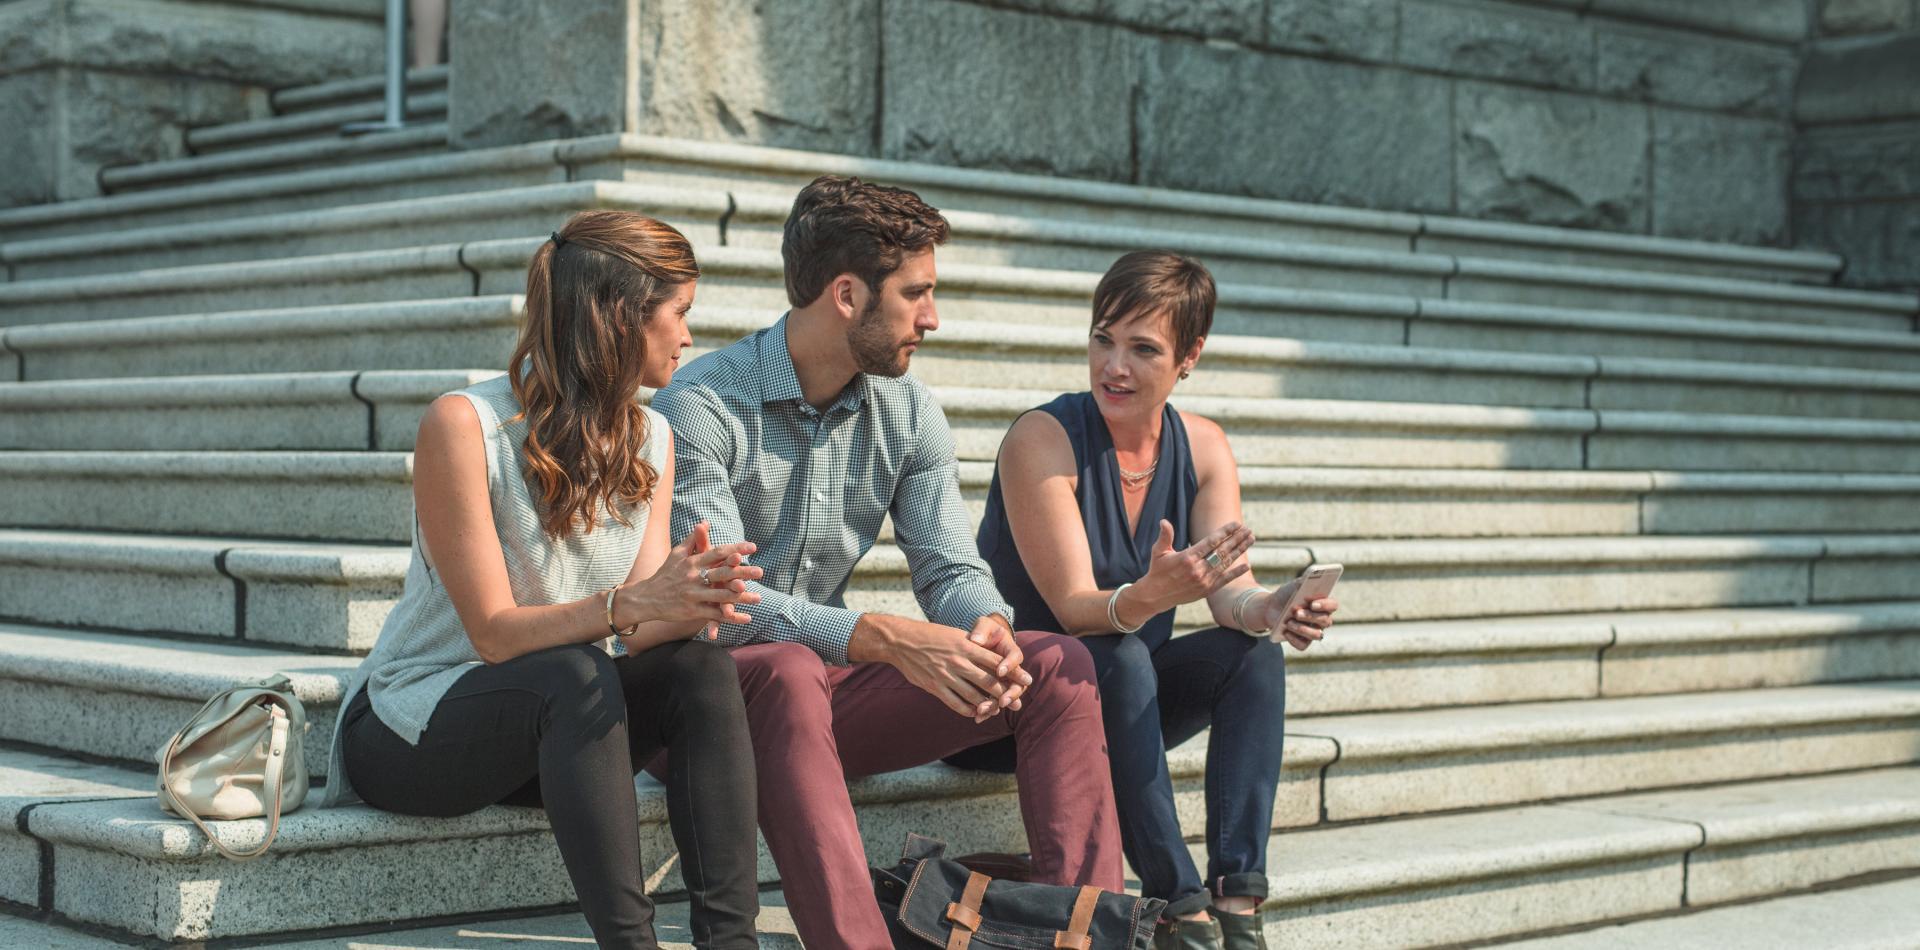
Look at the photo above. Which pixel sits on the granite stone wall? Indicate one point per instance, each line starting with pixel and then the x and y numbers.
pixel 86 84
pixel 1856 183
pixel 1648 116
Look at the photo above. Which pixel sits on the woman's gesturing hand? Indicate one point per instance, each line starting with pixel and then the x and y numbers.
pixel 698 581
pixel 1184 576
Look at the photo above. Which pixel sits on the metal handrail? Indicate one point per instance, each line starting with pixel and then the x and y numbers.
pixel 396 99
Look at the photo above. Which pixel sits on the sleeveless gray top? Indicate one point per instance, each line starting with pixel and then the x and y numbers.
pixel 422 649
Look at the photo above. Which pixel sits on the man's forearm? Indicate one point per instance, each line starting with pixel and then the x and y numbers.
pixel 872 640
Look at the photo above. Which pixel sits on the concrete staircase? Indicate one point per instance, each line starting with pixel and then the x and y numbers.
pixel 1631 525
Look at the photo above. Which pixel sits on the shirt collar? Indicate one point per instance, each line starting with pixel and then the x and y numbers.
pixel 779 382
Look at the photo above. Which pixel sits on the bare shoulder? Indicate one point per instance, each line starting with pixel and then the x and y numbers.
pixel 450 419
pixel 1208 444
pixel 1037 444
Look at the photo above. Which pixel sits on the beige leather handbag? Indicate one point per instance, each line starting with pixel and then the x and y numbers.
pixel 241 756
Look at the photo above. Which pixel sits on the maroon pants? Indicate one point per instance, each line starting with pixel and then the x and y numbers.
pixel 814 727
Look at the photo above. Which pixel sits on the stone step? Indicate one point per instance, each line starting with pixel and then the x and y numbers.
pixel 335 596
pixel 757 170
pixel 366 496
pixel 1454 879
pixel 780 172
pixel 480 332
pixel 419 79
pixel 428 138
pixel 153 875
pixel 1810 371
pixel 381 409
pixel 1469 578
pixel 1008 241
pixel 1880 916
pixel 325 184
pixel 1396 763
pixel 320 123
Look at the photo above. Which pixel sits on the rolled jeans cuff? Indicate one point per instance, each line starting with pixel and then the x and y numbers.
pixel 1245 884
pixel 1190 904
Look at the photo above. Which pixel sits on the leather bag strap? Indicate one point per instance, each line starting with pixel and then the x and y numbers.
pixel 966 913
pixel 1075 936
pixel 276 765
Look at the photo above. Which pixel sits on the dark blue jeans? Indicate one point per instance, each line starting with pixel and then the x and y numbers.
pixel 1156 694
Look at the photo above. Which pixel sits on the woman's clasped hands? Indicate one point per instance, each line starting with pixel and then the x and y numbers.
pixel 699 581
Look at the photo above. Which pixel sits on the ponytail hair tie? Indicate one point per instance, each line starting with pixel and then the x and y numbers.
pixel 558 241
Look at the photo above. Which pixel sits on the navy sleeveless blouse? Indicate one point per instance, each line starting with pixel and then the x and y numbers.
pixel 1120 556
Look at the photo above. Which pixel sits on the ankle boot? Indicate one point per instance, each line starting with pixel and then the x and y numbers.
pixel 1241 931
pixel 1186 935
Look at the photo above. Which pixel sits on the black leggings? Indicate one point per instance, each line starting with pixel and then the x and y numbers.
pixel 568 728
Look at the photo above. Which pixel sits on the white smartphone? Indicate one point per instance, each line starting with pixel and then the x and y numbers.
pixel 1315 583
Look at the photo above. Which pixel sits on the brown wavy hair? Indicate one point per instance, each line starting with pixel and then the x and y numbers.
pixel 577 367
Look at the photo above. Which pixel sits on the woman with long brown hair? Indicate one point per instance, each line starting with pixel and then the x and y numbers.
pixel 547 643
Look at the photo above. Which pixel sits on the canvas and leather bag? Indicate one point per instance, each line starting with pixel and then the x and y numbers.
pixel 241 756
pixel 931 900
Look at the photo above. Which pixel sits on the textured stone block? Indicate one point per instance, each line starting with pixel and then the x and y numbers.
pixel 1844 17
pixel 1239 20
pixel 1254 123
pixel 1878 160
pixel 794 75
pixel 1782 21
pixel 1719 178
pixel 1699 651
pixel 1874 79
pixel 501 95
pixel 992 97
pixel 1498 41
pixel 1881 239
pixel 265 45
pixel 1551 158
pixel 1350 29
pixel 1692 70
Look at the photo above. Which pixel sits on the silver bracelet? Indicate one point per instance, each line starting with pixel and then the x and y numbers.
pixel 1113 612
pixel 1240 611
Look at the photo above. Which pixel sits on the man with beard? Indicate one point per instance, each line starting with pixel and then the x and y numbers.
pixel 802 438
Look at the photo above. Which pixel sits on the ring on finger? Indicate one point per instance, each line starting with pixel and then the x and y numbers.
pixel 706 575
pixel 1213 560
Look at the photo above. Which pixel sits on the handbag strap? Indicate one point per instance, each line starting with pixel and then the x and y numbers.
pixel 276 764
pixel 965 914
pixel 1075 936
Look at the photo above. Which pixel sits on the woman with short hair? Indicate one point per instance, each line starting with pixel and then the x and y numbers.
pixel 1108 510
pixel 540 542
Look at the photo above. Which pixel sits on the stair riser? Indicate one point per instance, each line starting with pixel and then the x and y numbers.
pixel 125 726
pixel 1482 909
pixel 336 190
pixel 351 151
pixel 1644 300
pixel 322 509
pixel 445 280
pixel 1627 670
pixel 1716 875
pixel 417 231
pixel 340 424
pixel 330 615
pixel 1733 452
pixel 485 347
pixel 1524 338
pixel 1359 786
pixel 319 124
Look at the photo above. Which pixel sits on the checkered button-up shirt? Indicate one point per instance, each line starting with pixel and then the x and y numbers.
pixel 758 463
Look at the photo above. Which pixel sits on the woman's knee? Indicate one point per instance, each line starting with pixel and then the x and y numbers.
pixel 1125 664
pixel 704 674
pixel 1262 671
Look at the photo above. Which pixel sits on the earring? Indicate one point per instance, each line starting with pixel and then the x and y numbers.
pixel 1184 374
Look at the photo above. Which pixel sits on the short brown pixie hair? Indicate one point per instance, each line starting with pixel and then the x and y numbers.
pixel 1153 281
pixel 848 226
